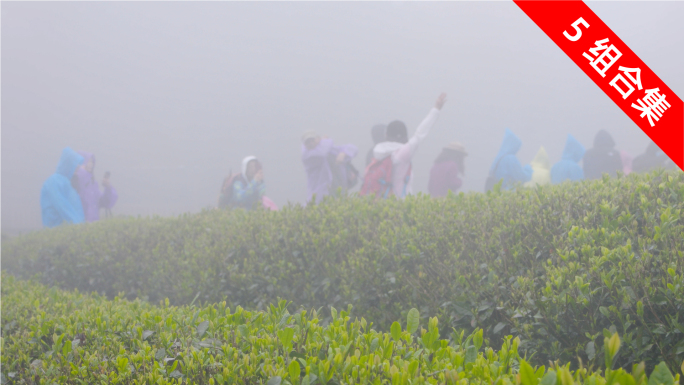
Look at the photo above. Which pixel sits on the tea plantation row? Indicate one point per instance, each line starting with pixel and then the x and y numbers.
pixel 52 336
pixel 560 266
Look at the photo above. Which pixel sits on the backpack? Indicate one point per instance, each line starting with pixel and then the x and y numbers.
pixel 226 195
pixel 378 178
pixel 345 180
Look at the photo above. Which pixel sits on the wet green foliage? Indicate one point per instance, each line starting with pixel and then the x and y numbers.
pixel 52 336
pixel 561 267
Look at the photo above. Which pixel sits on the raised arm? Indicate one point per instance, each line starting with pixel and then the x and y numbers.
pixel 408 149
pixel 349 150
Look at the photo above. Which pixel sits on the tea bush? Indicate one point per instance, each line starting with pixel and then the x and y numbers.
pixel 559 266
pixel 52 336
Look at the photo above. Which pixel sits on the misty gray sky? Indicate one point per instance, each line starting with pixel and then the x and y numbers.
pixel 171 95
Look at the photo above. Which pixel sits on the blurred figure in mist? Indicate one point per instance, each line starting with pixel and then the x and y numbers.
pixel 59 201
pixel 541 169
pixel 626 162
pixel 327 166
pixel 92 199
pixel 506 165
pixel 389 173
pixel 447 169
pixel 652 159
pixel 378 135
pixel 602 158
pixel 245 190
pixel 568 167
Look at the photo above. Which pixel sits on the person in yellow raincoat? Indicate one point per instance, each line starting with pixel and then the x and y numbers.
pixel 541 169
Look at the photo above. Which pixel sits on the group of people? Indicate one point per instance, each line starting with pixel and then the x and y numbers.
pixel 329 169
pixel 601 158
pixel 72 194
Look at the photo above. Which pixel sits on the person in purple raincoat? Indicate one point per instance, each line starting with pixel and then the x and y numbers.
pixel 327 165
pixel 92 198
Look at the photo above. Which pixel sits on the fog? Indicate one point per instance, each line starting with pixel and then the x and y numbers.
pixel 170 96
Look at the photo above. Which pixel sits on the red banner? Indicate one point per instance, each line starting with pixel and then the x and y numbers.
pixel 618 71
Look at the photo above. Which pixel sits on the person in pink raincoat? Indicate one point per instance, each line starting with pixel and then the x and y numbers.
pixel 92 198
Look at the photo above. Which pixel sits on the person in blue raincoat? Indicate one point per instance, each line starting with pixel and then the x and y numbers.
pixel 568 167
pixel 506 165
pixel 59 201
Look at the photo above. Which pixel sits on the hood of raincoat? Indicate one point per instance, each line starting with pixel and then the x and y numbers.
pixel 68 162
pixel 245 162
pixel 86 156
pixel 541 160
pixel 85 178
pixel 541 169
pixel 378 133
pixel 59 201
pixel 84 175
pixel 510 146
pixel 603 140
pixel 573 150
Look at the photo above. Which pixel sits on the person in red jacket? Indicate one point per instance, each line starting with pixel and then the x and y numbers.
pixel 445 172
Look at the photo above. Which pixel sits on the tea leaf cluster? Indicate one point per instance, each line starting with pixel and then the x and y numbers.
pixel 53 336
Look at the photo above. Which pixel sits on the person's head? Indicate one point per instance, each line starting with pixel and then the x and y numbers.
pixel 378 133
pixel 396 132
pixel 87 165
pixel 69 162
pixel 603 140
pixel 250 167
pixel 88 161
pixel 454 152
pixel 311 139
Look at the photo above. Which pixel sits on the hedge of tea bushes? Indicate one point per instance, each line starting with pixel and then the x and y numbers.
pixel 53 336
pixel 561 267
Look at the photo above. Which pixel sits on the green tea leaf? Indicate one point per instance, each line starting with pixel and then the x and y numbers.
pixel 412 367
pixel 527 375
pixel 499 327
pixel 478 339
pixel 202 328
pixel 285 337
pixel 604 311
pixel 395 330
pixel 471 355
pixel 625 379
pixel 590 349
pixel 294 370
pixel 412 320
pixel 661 375
pixel 374 344
pixel 549 378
